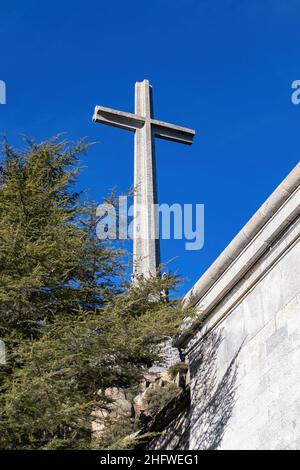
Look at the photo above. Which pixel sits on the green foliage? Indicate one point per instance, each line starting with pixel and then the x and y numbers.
pixel 51 261
pixel 133 441
pixel 120 434
pixel 158 397
pixel 178 368
pixel 71 325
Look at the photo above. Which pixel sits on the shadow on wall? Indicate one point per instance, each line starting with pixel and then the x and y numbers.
pixel 213 397
pixel 199 419
pixel 172 424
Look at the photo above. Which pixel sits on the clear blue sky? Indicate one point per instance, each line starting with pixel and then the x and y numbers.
pixel 223 67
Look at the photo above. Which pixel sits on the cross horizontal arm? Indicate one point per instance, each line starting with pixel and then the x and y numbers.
pixel 112 117
pixel 167 131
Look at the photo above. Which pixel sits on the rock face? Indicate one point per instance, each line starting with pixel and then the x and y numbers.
pixel 170 356
pixel 125 405
pixel 121 406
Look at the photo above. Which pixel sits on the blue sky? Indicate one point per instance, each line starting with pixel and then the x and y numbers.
pixel 222 67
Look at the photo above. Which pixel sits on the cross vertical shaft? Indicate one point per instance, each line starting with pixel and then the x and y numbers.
pixel 146 256
pixel 146 253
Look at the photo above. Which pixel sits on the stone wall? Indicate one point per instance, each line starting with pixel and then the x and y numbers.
pixel 172 424
pixel 245 374
pixel 245 357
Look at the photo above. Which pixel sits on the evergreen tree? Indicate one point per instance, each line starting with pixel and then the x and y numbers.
pixel 72 327
pixel 51 261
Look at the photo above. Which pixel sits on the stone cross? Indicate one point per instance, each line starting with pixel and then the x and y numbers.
pixel 146 252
